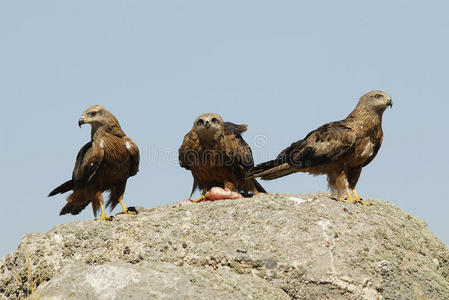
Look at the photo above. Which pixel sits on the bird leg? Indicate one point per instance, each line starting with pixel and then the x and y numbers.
pixel 125 210
pixel 358 199
pixel 201 198
pixel 349 198
pixel 353 199
pixel 103 215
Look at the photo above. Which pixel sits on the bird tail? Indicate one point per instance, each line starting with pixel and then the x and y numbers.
pixel 76 202
pixel 194 187
pixel 65 187
pixel 280 166
pixel 271 170
pixel 73 208
pixel 258 186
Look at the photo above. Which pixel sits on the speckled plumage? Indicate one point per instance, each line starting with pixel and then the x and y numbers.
pixel 338 149
pixel 218 155
pixel 103 164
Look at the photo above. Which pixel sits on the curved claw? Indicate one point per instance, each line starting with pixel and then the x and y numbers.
pixel 104 217
pixel 349 200
pixel 128 211
pixel 353 199
pixel 358 199
pixel 201 198
pixel 363 202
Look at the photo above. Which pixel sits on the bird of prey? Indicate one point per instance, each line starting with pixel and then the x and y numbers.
pixel 103 164
pixel 217 155
pixel 338 149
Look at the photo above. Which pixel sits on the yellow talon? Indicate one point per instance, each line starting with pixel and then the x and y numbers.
pixel 358 199
pixel 125 210
pixel 201 198
pixel 349 199
pixel 353 199
pixel 103 216
pixel 345 200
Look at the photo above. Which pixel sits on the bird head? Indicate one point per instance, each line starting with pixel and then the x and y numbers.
pixel 209 127
pixel 94 115
pixel 377 100
pixel 97 116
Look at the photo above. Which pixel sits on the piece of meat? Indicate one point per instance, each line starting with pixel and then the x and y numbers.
pixel 218 193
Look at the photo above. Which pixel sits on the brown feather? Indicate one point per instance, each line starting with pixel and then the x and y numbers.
pixel 218 156
pixel 103 164
pixel 338 149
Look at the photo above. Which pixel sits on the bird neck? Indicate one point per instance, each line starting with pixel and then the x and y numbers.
pixel 113 129
pixel 210 138
pixel 363 115
pixel 211 142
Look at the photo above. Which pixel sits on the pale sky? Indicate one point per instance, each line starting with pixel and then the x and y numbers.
pixel 282 67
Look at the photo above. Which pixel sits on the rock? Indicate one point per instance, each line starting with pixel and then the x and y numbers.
pixel 121 280
pixel 273 246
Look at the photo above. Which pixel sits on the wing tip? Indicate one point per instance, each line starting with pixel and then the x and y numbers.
pixel 65 187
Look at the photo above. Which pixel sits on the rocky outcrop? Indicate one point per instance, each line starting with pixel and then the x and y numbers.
pixel 269 247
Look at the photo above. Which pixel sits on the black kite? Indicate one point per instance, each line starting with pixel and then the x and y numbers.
pixel 103 164
pixel 217 155
pixel 338 149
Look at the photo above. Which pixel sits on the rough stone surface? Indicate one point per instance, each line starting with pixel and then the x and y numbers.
pixel 274 246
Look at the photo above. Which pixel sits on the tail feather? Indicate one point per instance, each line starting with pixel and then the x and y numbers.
pixel 65 187
pixel 194 188
pixel 263 167
pixel 258 186
pixel 73 208
pixel 271 170
pixel 112 202
pixel 115 193
pixel 280 166
pixel 277 172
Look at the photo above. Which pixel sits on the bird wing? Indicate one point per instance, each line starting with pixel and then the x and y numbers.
pixel 234 129
pixel 321 146
pixel 239 154
pixel 188 154
pixel 189 151
pixel 87 162
pixel 376 149
pixel 133 151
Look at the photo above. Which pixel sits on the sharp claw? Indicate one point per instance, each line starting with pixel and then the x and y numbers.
pixel 364 203
pixel 105 218
pixel 349 200
pixel 359 200
pixel 201 198
pixel 128 211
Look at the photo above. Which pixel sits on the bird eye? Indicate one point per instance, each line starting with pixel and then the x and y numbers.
pixel 215 120
pixel 93 113
pixel 200 122
pixel 378 96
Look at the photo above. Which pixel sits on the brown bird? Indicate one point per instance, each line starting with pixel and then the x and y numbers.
pixel 338 149
pixel 217 155
pixel 103 164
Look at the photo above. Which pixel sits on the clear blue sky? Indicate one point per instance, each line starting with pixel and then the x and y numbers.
pixel 282 67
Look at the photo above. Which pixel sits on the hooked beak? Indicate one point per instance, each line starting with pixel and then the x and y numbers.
pixel 81 121
pixel 390 103
pixel 207 124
